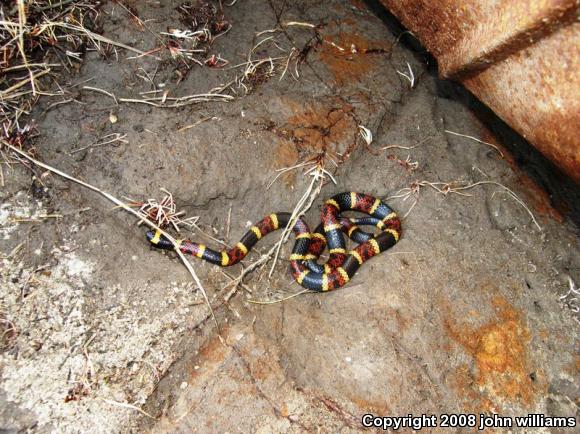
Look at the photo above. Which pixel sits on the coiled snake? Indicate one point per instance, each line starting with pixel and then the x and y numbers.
pixel 340 266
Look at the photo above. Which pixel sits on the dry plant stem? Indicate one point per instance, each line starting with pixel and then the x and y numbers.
pixel 251 62
pixel 235 281
pixel 201 231
pixel 445 188
pixel 299 24
pixel 129 210
pixel 410 76
pixel 404 147
pixel 228 223
pixel 301 207
pixel 263 259
pixel 511 193
pixel 116 137
pixel 182 101
pixel 35 219
pixel 54 5
pixel 94 36
pixel 477 140
pixel 21 24
pixel 104 92
pixel 410 209
pixel 50 24
pixel 195 124
pixel 31 65
pixel 292 53
pixel 140 21
pixel 224 92
pixel 287 169
pixel 18 85
pixel 129 406
pixel 279 300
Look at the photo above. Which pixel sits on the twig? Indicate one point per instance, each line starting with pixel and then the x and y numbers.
pixel 141 22
pixel 279 300
pixel 181 101
pixel 299 24
pixel 56 104
pixel 18 85
pixel 36 219
pixel 129 210
pixel 477 140
pixel 129 406
pixel 234 281
pixel 54 5
pixel 116 137
pixel 195 124
pixel 445 188
pixel 96 89
pixel 366 134
pixel 228 223
pixel 283 170
pixel 404 147
pixel 318 173
pixel 92 35
pixel 304 204
pixel 410 76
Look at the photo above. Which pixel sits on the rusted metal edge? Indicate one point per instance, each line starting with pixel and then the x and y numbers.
pixel 507 37
pixel 520 57
pixel 537 92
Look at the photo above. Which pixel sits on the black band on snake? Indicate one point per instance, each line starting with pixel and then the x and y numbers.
pixel 340 266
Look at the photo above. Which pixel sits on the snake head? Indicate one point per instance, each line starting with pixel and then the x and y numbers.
pixel 158 240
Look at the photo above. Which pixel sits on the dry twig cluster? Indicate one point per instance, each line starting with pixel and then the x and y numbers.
pixel 37 37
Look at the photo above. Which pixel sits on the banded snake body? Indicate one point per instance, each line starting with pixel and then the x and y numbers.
pixel 341 264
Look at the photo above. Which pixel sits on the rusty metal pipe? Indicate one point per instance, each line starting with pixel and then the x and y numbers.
pixel 520 57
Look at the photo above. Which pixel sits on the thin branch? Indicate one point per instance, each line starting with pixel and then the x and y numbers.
pixel 445 188
pixel 104 92
pixel 129 210
pixel 92 35
pixel 477 140
pixel 410 76
pixel 296 294
pixel 128 406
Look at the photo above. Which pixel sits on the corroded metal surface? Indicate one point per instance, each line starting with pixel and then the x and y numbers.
pixel 467 35
pixel 537 92
pixel 503 28
pixel 520 57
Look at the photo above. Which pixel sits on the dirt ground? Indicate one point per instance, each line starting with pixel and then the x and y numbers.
pixel 472 311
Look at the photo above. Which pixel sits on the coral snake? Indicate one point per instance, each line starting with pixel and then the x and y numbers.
pixel 341 264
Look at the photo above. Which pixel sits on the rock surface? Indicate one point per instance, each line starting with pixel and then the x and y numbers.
pixel 470 312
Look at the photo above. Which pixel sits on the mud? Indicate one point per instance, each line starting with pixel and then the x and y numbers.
pixel 470 312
